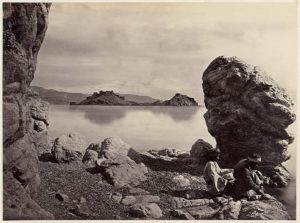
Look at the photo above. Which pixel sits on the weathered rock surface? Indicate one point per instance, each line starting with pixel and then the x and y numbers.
pixel 263 210
pixel 246 112
pixel 200 150
pixel 90 157
pixel 113 146
pixel 149 210
pixel 17 203
pixel 24 114
pixel 122 170
pixel 181 181
pixel 182 214
pixel 69 148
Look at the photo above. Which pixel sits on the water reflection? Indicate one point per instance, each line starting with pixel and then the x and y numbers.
pixel 109 114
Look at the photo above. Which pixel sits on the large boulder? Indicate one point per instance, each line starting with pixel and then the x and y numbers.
pixel 121 171
pixel 246 112
pixel 24 131
pixel 113 146
pixel 69 148
pixel 199 151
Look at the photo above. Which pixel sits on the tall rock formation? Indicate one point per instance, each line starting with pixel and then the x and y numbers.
pixel 25 120
pixel 246 112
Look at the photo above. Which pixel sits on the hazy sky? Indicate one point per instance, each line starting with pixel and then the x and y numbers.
pixel 158 49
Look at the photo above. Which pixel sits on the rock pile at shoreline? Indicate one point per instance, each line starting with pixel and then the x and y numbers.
pixel 247 112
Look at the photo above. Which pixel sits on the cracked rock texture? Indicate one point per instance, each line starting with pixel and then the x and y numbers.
pixel 246 112
pixel 25 115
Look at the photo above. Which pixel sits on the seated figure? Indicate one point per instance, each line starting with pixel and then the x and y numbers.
pixel 249 181
pixel 215 177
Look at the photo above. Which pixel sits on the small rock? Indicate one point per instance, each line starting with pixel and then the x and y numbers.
pixel 116 197
pixel 128 200
pixel 150 210
pixel 90 157
pixel 221 200
pixel 82 210
pixel 181 181
pixel 179 202
pixel 204 212
pixel 62 197
pixel 138 191
pixel 82 200
pixel 147 199
pixel 181 214
pixel 232 210
pixel 39 126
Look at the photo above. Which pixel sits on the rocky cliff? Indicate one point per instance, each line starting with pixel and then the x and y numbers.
pixel 25 120
pixel 246 112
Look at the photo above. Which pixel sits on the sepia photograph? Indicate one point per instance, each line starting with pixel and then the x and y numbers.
pixel 149 110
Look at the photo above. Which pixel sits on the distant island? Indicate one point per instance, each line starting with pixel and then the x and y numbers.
pixel 64 98
pixel 111 98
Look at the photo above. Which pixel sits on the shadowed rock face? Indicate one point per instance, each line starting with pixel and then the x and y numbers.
pixel 25 115
pixel 246 112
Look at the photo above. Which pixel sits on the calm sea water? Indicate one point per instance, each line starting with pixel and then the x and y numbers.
pixel 146 127
pixel 142 127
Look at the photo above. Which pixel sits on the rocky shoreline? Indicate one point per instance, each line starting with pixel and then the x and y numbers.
pixel 110 180
pixel 71 179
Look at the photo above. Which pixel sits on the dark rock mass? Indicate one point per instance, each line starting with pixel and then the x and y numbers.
pixel 180 100
pixel 246 112
pixel 111 98
pixel 105 98
pixel 25 119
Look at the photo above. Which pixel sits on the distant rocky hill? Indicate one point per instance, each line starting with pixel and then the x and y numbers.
pixel 111 98
pixel 61 97
pixel 180 100
pixel 105 98
pixel 58 97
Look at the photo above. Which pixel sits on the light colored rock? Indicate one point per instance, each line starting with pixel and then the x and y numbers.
pixel 179 202
pixel 116 197
pixel 149 210
pixel 182 214
pixel 230 211
pixel 181 181
pixel 147 199
pixel 113 146
pixel 263 210
pixel 82 200
pixel 128 200
pixel 61 196
pixel 82 210
pixel 90 157
pixel 69 148
pixel 121 171
pixel 204 212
